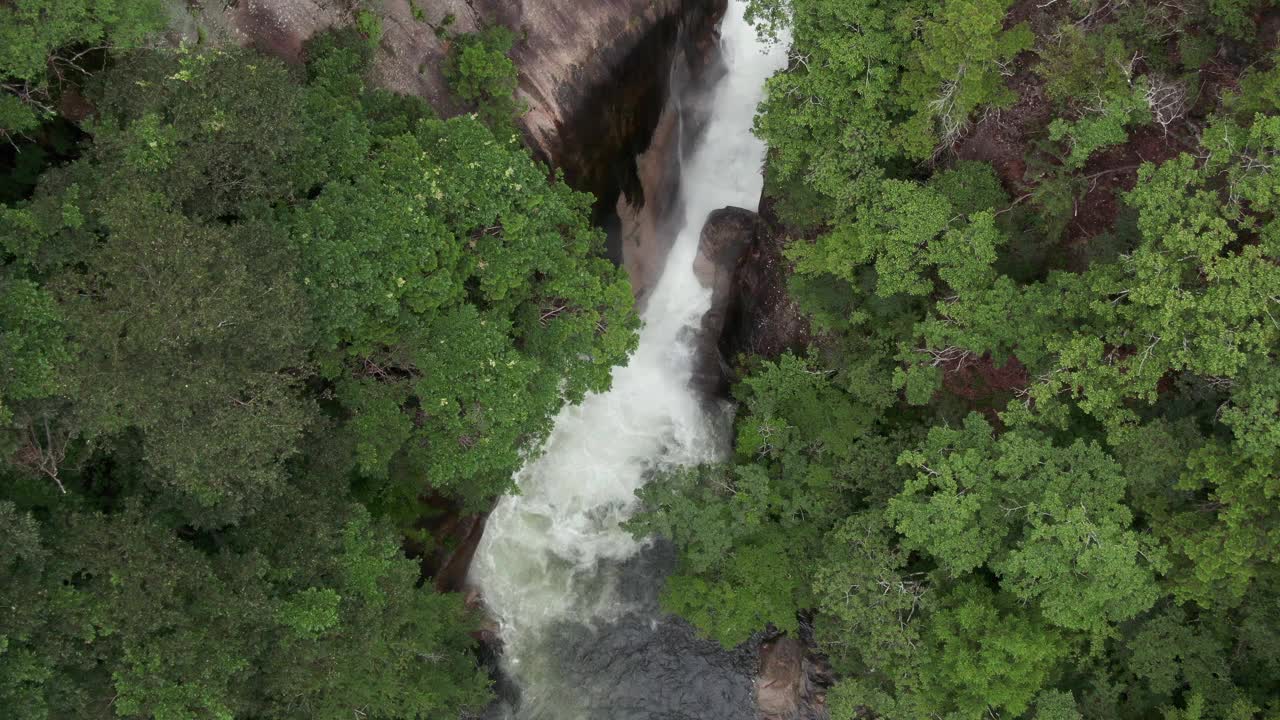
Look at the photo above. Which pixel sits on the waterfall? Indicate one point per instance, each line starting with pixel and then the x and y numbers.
pixel 554 567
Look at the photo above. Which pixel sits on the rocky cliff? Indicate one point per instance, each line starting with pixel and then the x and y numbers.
pixel 727 235
pixel 740 260
pixel 593 75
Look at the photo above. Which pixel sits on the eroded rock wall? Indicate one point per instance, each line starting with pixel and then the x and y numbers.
pixel 650 215
pixel 594 75
pixel 727 235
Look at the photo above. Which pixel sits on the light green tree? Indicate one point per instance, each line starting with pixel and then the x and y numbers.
pixel 42 40
pixel 1049 521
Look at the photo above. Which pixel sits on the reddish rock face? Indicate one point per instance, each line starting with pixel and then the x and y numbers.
pixel 781 680
pixel 645 227
pixel 791 682
pixel 600 79
pixel 594 75
pixel 450 561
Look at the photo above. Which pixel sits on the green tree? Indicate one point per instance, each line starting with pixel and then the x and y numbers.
pixel 279 622
pixel 480 71
pixel 32 344
pixel 22 670
pixel 893 231
pixel 193 334
pixel 371 637
pixel 956 67
pixel 982 659
pixel 42 40
pixel 455 282
pixel 828 136
pixel 1092 133
pixel 865 590
pixel 750 533
pixel 1050 522
pixel 1098 538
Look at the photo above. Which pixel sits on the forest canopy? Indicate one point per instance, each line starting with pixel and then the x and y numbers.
pixel 252 317
pixel 261 322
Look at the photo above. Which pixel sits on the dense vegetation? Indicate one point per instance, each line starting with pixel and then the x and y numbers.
pixel 1026 465
pixel 1029 464
pixel 249 315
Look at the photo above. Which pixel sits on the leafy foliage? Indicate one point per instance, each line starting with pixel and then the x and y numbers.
pixel 1080 521
pixel 1087 135
pixel 955 68
pixel 481 72
pixel 243 329
pixel 38 37
pixel 255 316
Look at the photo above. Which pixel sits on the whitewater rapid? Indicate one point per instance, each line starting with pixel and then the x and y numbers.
pixel 553 554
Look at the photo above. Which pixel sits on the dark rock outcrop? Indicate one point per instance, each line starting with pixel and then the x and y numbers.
pixel 726 237
pixel 455 539
pixel 740 259
pixel 763 319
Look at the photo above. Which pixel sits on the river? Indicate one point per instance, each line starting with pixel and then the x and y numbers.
pixel 573 593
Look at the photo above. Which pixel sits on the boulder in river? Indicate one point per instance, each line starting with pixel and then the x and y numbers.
pixel 726 237
pixel 763 319
pixel 781 679
pixel 740 259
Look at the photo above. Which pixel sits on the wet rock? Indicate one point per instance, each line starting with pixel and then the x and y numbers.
pixel 649 215
pixel 763 319
pixel 726 237
pixel 644 225
pixel 651 668
pixel 639 664
pixel 781 679
pixel 594 114
pixel 456 540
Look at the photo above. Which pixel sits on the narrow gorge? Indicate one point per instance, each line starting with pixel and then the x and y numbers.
pixel 574 594
pixel 639 359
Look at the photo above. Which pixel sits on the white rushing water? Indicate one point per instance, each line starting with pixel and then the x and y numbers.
pixel 546 552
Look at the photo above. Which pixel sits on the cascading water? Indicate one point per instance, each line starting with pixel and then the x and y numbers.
pixel 572 591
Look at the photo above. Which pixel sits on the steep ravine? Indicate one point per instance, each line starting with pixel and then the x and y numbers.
pixel 573 593
pixel 638 102
pixel 632 122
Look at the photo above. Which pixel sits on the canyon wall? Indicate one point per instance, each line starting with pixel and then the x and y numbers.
pixel 594 76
